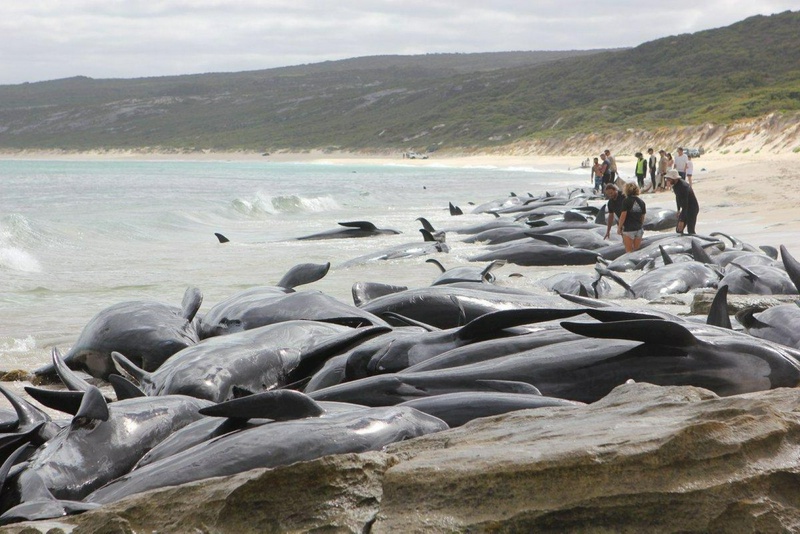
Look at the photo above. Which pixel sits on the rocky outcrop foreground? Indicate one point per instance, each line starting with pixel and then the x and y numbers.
pixel 643 459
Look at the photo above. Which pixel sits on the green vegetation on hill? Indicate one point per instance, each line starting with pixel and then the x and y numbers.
pixel 749 69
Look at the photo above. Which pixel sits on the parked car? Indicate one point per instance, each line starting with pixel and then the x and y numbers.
pixel 414 155
pixel 694 152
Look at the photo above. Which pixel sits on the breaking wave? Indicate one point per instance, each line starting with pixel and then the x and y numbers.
pixel 264 204
pixel 15 232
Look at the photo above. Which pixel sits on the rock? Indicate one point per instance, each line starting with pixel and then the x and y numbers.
pixel 336 493
pixel 14 375
pixel 643 459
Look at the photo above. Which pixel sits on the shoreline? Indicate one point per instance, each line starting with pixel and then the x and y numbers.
pixel 749 194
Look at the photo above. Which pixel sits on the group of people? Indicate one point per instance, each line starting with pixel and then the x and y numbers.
pixel 658 168
pixel 604 171
pixel 628 210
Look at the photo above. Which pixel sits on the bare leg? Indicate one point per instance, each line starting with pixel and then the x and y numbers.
pixel 628 243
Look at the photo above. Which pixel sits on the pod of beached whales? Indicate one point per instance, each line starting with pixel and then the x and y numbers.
pixel 279 374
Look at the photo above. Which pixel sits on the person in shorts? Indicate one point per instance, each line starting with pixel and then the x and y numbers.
pixel 631 218
pixel 597 174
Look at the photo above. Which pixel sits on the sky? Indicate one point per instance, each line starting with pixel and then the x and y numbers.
pixel 51 39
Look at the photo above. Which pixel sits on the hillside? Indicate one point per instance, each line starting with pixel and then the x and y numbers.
pixel 455 101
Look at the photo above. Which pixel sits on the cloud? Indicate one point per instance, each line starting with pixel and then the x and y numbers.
pixel 53 39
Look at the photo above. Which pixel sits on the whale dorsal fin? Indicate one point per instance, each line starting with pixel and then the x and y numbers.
pixel 700 254
pixel 192 299
pixel 549 238
pixel 363 225
pixel 124 388
pixel 664 256
pixel 64 401
pixel 304 273
pixel 747 318
pixel 278 405
pixel 124 365
pixel 792 267
pixel 750 275
pixel 93 408
pixel 718 313
pixel 28 415
pixel 436 263
pixel 67 375
pixel 425 224
pixel 490 323
pixel 486 272
pixel 655 331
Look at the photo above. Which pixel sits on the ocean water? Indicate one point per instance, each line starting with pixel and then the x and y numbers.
pixel 79 236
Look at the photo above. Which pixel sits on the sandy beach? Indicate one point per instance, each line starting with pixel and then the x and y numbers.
pixel 752 196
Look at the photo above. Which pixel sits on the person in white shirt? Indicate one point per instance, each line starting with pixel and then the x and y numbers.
pixel 680 162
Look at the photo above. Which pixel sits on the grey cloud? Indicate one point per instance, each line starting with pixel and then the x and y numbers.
pixel 55 39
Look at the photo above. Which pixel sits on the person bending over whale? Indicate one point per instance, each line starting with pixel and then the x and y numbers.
pixel 688 207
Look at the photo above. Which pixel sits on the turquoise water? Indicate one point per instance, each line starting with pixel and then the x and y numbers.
pixel 78 236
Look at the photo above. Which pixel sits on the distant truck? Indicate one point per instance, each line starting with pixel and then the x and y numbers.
pixel 694 152
pixel 414 155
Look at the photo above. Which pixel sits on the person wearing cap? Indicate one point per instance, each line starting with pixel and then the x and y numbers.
pixel 640 170
pixel 631 218
pixel 615 200
pixel 686 201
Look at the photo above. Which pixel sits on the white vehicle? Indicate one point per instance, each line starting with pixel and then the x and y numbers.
pixel 414 155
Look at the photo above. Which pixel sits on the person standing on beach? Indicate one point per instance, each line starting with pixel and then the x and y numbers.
pixel 662 169
pixel 652 165
pixel 614 208
pixel 689 169
pixel 686 201
pixel 597 176
pixel 681 160
pixel 670 166
pixel 606 167
pixel 612 164
pixel 640 170
pixel 631 218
